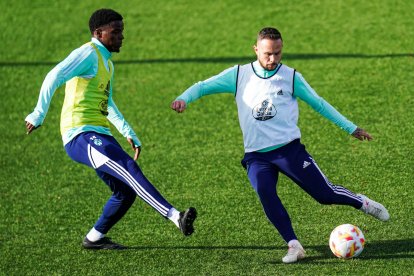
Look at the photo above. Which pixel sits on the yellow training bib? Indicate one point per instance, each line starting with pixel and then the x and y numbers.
pixel 86 100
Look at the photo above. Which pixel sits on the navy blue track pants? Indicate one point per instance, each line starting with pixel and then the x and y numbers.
pixel 295 162
pixel 120 172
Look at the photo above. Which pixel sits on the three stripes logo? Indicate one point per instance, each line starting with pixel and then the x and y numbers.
pixel 305 164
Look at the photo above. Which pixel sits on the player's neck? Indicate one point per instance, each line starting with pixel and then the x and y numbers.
pixel 263 72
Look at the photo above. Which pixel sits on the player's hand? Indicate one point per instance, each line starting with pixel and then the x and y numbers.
pixel 134 148
pixel 178 106
pixel 361 134
pixel 30 127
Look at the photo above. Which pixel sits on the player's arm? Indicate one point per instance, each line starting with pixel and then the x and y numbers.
pixel 225 82
pixel 305 92
pixel 118 120
pixel 78 63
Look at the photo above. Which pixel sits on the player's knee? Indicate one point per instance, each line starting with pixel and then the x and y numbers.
pixel 129 202
pixel 266 197
pixel 126 201
pixel 130 198
pixel 129 195
pixel 262 191
pixel 125 194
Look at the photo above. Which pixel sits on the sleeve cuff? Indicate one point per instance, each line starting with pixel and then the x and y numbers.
pixel 352 129
pixel 135 139
pixel 34 119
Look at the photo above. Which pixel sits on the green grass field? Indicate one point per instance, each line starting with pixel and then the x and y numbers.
pixel 358 55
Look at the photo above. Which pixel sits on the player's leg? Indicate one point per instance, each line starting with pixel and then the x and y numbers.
pixel 115 208
pixel 122 166
pixel 103 153
pixel 263 176
pixel 109 157
pixel 118 204
pixel 298 165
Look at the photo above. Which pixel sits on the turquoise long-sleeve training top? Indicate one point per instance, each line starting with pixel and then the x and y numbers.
pixel 226 82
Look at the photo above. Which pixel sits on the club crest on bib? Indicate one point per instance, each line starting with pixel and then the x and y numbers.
pixel 97 142
pixel 264 110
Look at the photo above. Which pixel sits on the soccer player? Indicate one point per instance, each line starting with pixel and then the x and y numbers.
pixel 87 110
pixel 266 93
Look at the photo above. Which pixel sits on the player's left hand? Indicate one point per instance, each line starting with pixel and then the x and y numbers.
pixel 30 127
pixel 134 148
pixel 178 106
pixel 361 134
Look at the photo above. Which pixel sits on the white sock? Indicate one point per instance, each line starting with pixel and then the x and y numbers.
pixel 174 216
pixel 364 203
pixel 294 243
pixel 94 235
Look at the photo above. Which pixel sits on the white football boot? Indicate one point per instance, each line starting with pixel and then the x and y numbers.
pixel 295 252
pixel 373 208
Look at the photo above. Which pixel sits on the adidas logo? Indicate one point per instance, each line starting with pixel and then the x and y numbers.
pixel 280 92
pixel 305 164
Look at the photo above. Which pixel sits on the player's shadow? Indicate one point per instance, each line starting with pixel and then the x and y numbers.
pixel 231 60
pixel 390 249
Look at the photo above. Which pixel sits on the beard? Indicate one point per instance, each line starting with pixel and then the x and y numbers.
pixel 269 66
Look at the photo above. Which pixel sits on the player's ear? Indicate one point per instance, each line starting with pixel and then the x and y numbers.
pixel 97 33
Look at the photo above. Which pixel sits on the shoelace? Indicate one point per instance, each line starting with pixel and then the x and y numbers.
pixel 376 211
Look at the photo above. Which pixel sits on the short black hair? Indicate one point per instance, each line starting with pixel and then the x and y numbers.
pixel 103 17
pixel 269 33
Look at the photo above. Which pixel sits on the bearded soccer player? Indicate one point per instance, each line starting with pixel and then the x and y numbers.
pixel 87 110
pixel 266 93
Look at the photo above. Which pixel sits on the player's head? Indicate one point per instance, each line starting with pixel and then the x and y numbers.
pixel 107 26
pixel 269 33
pixel 268 48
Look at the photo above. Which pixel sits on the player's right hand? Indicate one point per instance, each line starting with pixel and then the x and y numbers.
pixel 30 127
pixel 136 149
pixel 361 134
pixel 178 106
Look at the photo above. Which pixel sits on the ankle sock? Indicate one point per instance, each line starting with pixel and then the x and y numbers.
pixel 94 235
pixel 174 216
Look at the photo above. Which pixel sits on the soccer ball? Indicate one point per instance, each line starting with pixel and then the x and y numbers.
pixel 346 241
